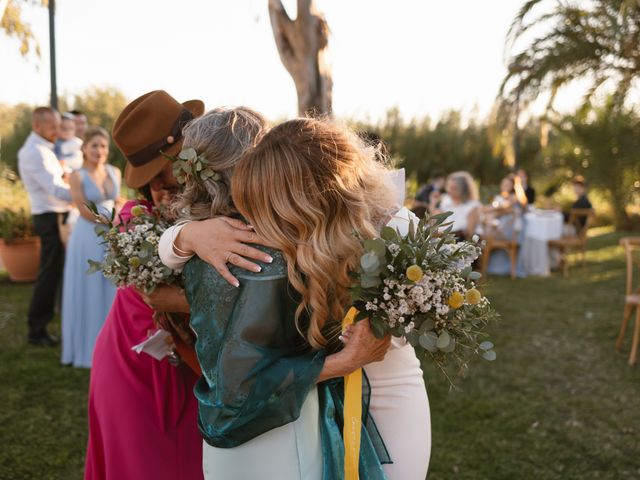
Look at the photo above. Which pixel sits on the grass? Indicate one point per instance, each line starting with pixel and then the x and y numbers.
pixel 559 403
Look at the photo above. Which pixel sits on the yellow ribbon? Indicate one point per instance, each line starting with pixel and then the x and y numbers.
pixel 352 413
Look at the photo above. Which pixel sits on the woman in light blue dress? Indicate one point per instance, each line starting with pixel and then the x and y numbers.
pixel 87 297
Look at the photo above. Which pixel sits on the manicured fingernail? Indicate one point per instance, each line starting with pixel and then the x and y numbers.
pixel 341 338
pixel 268 259
pixel 236 284
pixel 257 268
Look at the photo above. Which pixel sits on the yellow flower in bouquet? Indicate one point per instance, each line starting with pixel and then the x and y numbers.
pixel 414 273
pixel 473 296
pixel 456 300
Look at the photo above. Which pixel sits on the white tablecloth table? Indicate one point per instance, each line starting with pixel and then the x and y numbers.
pixel 540 226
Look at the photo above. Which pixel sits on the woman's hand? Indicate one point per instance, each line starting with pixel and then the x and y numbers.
pixel 166 298
pixel 219 241
pixel 361 348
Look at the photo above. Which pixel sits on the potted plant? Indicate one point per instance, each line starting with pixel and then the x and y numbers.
pixel 19 248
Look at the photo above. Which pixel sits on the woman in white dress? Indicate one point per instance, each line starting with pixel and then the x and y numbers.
pixel 399 402
pixel 260 411
pixel 462 201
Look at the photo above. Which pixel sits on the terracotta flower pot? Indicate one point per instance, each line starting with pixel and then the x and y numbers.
pixel 21 258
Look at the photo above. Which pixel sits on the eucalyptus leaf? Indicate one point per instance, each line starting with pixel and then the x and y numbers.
pixel 146 250
pixel 389 234
pixel 427 326
pixel 428 341
pixel 475 276
pixel 370 262
pixel 489 355
pixel 369 281
pixel 188 154
pixel 376 245
pixel 413 337
pixel 444 339
pixel 449 348
pixel 485 346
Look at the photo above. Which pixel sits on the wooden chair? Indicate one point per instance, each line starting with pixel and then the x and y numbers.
pixel 576 242
pixel 496 239
pixel 632 296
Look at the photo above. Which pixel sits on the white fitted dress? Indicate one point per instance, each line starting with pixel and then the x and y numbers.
pixel 399 403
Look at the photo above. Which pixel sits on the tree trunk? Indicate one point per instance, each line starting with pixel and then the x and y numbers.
pixel 619 201
pixel 303 44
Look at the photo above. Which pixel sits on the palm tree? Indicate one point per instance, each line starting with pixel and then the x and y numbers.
pixel 595 40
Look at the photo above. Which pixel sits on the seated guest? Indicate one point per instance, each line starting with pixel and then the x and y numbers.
pixel 434 188
pixel 580 189
pixel 507 196
pixel 522 179
pixel 68 146
pixel 461 199
pixel 582 200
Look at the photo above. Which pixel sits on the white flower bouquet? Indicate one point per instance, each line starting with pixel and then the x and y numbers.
pixel 131 256
pixel 421 287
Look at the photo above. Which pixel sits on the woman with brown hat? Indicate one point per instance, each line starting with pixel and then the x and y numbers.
pixel 142 413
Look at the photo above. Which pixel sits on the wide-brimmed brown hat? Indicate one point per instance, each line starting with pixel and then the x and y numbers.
pixel 147 126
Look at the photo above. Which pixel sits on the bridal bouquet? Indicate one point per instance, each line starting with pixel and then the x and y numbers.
pixel 131 256
pixel 421 287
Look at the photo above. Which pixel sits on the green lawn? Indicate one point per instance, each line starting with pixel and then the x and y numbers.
pixel 559 403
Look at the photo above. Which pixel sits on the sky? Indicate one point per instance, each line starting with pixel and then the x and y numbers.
pixel 422 56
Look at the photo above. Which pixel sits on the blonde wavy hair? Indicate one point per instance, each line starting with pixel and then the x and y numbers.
pixel 221 136
pixel 307 187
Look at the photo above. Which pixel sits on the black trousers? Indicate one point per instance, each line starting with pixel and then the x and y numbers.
pixel 41 308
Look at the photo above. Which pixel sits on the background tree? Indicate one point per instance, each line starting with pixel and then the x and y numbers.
pixel 603 146
pixel 423 146
pixel 13 24
pixel 302 44
pixel 596 41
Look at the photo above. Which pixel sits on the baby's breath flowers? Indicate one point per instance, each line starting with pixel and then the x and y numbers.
pixel 421 287
pixel 131 256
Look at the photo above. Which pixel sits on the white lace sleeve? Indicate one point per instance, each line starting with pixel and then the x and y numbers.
pixel 167 251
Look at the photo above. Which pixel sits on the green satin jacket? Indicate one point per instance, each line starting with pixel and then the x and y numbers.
pixel 256 367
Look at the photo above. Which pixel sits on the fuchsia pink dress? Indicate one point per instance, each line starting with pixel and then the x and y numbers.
pixel 142 412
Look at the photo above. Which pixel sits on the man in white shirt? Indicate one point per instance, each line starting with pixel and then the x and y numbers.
pixel 50 198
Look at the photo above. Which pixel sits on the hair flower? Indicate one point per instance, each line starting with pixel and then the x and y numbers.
pixel 189 164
